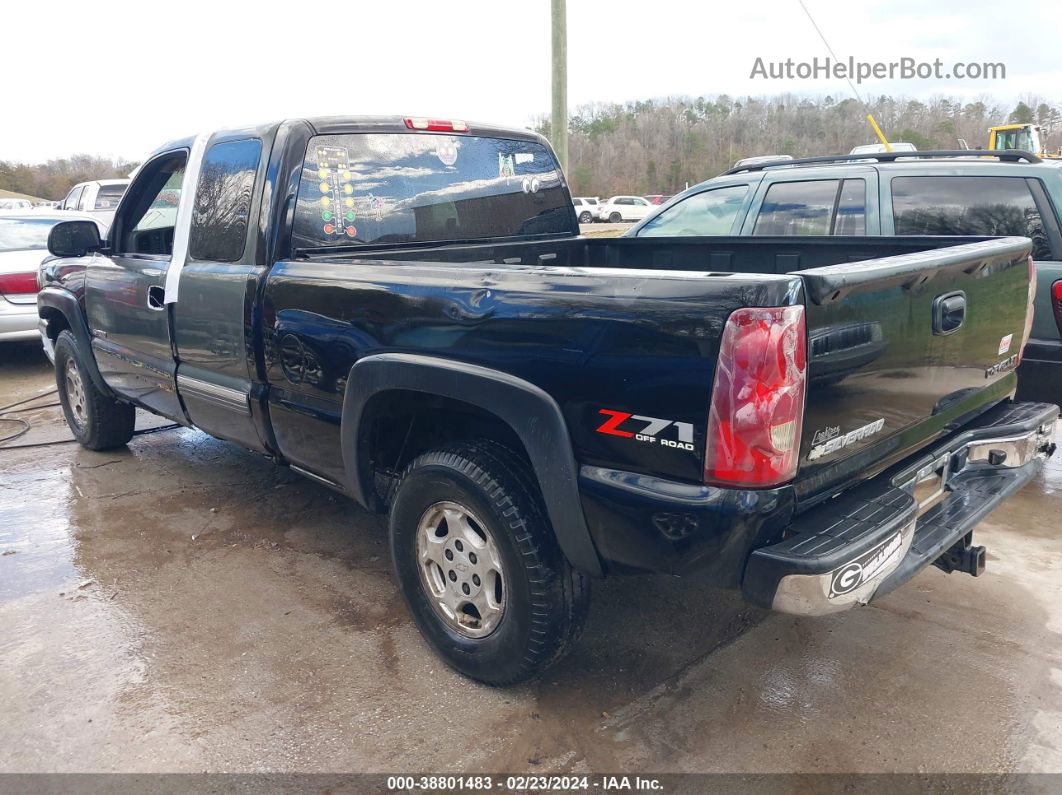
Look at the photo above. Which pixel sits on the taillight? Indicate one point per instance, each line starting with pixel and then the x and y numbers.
pixel 1056 303
pixel 437 125
pixel 757 398
pixel 18 283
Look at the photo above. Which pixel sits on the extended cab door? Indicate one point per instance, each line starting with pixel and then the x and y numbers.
pixel 213 331
pixel 124 289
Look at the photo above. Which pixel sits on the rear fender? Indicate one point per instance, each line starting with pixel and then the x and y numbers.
pixel 531 413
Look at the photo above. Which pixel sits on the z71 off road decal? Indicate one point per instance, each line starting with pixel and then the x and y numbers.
pixel 647 429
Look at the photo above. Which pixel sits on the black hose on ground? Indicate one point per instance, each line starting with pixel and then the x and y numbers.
pixel 10 408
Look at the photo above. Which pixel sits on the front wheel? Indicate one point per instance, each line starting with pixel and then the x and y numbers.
pixel 479 566
pixel 615 218
pixel 98 421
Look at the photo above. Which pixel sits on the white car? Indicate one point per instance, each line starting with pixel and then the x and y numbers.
pixel 99 198
pixel 625 208
pixel 586 208
pixel 15 204
pixel 23 244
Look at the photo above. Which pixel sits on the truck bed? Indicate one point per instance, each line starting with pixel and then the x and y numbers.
pixel 640 319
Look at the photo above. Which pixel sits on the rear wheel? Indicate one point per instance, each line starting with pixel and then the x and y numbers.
pixel 478 564
pixel 98 421
pixel 585 217
pixel 615 218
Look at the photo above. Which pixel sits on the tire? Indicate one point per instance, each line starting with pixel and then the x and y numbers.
pixel 615 218
pixel 535 615
pixel 98 421
pixel 585 217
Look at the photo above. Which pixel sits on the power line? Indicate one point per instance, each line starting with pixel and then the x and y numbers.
pixel 848 77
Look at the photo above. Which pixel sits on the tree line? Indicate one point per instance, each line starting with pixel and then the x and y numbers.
pixel 54 179
pixel 660 145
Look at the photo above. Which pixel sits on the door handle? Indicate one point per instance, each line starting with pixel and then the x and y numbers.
pixel 949 312
pixel 156 297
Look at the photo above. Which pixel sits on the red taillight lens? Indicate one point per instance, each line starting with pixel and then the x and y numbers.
pixel 437 125
pixel 18 283
pixel 757 398
pixel 1056 303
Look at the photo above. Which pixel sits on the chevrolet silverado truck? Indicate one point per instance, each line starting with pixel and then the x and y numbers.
pixel 403 311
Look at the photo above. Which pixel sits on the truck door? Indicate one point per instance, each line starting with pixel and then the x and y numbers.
pixel 124 289
pixel 212 326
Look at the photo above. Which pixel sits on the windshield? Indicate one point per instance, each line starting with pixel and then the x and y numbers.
pixel 24 234
pixel 420 187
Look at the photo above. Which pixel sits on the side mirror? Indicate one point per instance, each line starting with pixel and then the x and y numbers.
pixel 74 239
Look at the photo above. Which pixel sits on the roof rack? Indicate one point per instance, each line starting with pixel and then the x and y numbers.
pixel 1006 156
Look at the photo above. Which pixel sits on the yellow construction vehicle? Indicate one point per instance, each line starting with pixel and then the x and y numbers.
pixel 1026 137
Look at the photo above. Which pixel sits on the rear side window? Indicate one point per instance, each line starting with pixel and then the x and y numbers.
pixel 819 207
pixel 377 188
pixel 223 201
pixel 968 206
pixel 108 196
pixel 712 212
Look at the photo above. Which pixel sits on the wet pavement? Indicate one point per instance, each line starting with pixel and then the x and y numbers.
pixel 185 605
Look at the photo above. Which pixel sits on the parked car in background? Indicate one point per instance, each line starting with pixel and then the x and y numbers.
pixel 658 198
pixel 624 208
pixel 23 245
pixel 15 204
pixel 99 197
pixel 877 193
pixel 586 208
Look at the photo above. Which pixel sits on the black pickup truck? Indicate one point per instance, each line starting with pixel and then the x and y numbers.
pixel 402 309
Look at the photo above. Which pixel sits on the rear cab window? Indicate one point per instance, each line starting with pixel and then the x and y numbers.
pixel 971 205
pixel 108 196
pixel 400 188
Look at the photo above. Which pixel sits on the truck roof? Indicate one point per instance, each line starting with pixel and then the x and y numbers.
pixel 339 125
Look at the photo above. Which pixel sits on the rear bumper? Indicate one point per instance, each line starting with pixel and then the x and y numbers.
pixel 872 539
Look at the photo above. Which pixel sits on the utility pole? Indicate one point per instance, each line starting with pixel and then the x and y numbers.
pixel 559 122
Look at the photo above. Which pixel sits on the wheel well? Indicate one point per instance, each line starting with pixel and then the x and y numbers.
pixel 398 425
pixel 56 320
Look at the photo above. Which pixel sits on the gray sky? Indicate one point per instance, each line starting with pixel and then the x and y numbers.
pixel 119 78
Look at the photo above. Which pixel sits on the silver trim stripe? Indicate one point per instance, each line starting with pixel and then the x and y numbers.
pixel 232 399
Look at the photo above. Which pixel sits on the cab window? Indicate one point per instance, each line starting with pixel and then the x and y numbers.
pixel 149 215
pixel 968 206
pixel 814 207
pixel 223 201
pixel 712 212
pixel 72 198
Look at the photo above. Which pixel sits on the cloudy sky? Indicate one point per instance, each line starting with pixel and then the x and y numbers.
pixel 119 78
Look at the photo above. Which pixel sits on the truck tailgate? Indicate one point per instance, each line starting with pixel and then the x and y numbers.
pixel 901 348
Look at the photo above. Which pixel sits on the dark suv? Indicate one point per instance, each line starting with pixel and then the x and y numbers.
pixel 934 193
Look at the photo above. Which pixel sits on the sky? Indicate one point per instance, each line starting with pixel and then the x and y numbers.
pixel 120 78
